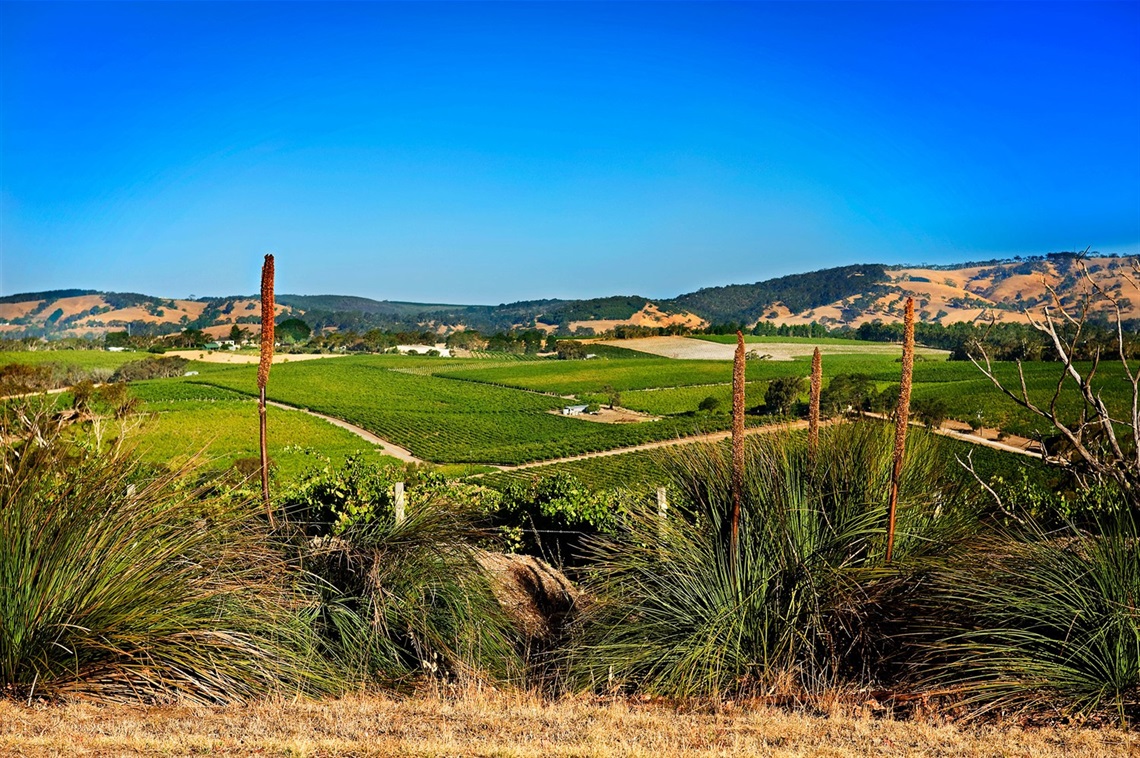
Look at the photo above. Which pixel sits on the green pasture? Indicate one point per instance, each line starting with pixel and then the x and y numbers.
pixel 574 377
pixel 642 471
pixel 84 359
pixel 184 420
pixel 677 400
pixel 637 471
pixel 668 387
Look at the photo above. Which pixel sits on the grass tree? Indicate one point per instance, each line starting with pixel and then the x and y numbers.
pixel 902 417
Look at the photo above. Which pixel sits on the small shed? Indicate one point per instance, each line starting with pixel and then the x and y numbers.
pixel 574 410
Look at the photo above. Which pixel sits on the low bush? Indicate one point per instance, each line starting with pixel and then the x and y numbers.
pixel 552 517
pixel 150 368
pixel 396 601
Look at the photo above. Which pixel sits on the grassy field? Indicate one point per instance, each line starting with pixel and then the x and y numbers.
pixel 642 471
pixel 488 723
pixel 85 359
pixel 184 419
pixel 639 471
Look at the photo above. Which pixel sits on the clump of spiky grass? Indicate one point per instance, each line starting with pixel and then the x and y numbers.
pixel 902 418
pixel 803 607
pixel 1043 621
pixel 120 583
pixel 400 601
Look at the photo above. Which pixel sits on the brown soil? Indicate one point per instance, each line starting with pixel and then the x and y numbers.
pixel 17 310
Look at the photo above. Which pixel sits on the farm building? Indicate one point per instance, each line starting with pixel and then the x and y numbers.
pixel 440 350
pixel 574 410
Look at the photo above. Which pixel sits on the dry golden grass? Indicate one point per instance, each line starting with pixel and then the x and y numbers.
pixel 497 724
pixel 650 315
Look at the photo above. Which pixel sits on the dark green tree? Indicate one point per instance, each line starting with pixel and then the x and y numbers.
pixel 847 392
pixel 293 331
pixel 782 394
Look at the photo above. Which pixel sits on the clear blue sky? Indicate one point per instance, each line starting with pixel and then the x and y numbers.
pixel 483 153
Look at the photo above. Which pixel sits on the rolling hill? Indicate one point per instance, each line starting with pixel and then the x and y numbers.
pixel 847 295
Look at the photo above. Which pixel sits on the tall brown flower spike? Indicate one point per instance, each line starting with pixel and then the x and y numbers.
pixel 268 311
pixel 813 404
pixel 267 316
pixel 902 417
pixel 737 444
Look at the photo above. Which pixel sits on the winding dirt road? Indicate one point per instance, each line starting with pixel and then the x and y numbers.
pixel 389 449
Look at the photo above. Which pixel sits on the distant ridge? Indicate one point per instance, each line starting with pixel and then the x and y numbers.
pixel 48 295
pixel 842 296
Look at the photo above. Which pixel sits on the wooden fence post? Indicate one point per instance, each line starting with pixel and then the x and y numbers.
pixel 400 515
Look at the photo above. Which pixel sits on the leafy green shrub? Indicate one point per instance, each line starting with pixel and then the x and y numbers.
pixel 808 603
pixel 332 500
pixel 710 404
pixel 118 583
pixel 931 411
pixel 847 391
pixel 1052 499
pixel 552 516
pixel 783 391
pixel 1046 621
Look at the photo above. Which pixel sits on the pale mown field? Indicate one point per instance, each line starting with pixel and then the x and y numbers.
pixel 496 724
pixel 688 348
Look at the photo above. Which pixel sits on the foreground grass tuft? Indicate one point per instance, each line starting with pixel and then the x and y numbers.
pixel 120 583
pixel 803 607
pixel 1045 621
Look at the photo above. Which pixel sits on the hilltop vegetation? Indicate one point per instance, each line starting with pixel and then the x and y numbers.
pixel 746 303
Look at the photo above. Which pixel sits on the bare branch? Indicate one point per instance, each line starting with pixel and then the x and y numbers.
pixel 968 464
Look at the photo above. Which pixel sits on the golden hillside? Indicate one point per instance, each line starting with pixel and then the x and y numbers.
pixel 1000 291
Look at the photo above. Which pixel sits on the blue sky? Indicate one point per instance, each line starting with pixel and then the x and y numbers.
pixel 483 153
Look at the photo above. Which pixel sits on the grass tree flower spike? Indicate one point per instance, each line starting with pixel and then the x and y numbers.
pixel 813 405
pixel 737 443
pixel 902 416
pixel 267 315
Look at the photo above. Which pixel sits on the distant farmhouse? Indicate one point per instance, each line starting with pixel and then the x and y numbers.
pixel 440 350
